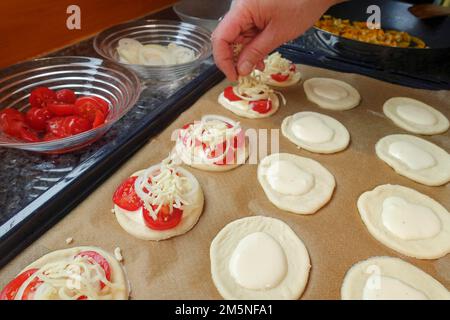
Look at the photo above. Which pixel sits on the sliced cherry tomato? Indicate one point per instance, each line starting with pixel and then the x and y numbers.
pixel 165 220
pixel 125 196
pixel 293 68
pixel 87 109
pixel 66 96
pixel 28 134
pixel 30 290
pixel 103 104
pixel 48 136
pixel 230 95
pixel 99 119
pixel 41 96
pixel 10 114
pixel 279 77
pixel 55 127
pixel 37 118
pixel 10 290
pixel 61 109
pixel 101 261
pixel 73 125
pixel 9 118
pixel 261 106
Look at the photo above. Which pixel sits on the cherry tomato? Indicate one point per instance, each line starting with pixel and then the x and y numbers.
pixel 101 261
pixel 9 120
pixel 103 104
pixel 279 77
pixel 73 125
pixel 66 96
pixel 41 96
pixel 86 109
pixel 125 196
pixel 293 68
pixel 230 95
pixel 30 290
pixel 99 119
pixel 48 136
pixel 61 109
pixel 37 118
pixel 55 127
pixel 10 290
pixel 261 106
pixel 165 220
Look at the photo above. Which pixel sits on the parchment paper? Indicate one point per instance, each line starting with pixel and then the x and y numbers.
pixel 335 236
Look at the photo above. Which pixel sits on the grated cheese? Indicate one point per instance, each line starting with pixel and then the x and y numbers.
pixel 70 279
pixel 202 137
pixel 163 185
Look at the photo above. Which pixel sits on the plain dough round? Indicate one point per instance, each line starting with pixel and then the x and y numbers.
pixel 340 140
pixel 434 176
pixel 191 214
pixel 307 203
pixel 390 109
pixel 250 114
pixel 118 277
pixel 349 102
pixel 370 206
pixel 222 248
pixel 356 277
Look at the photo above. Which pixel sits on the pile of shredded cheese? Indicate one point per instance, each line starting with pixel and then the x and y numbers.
pixel 250 88
pixel 69 279
pixel 163 185
pixel 212 131
pixel 275 64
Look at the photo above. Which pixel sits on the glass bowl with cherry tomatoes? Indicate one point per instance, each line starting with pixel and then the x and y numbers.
pixel 157 32
pixel 61 104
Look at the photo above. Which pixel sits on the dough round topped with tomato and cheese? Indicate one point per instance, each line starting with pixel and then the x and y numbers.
pixel 158 203
pixel 81 273
pixel 214 143
pixel 259 258
pixel 250 98
pixel 278 71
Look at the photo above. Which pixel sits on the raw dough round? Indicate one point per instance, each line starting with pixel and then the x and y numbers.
pixel 390 270
pixel 225 243
pixel 415 116
pixel 194 161
pixel 133 221
pixel 331 93
pixel 421 161
pixel 315 132
pixel 118 277
pixel 414 241
pixel 242 108
pixel 296 184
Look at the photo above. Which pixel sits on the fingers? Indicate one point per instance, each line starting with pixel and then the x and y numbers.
pixel 254 53
pixel 226 33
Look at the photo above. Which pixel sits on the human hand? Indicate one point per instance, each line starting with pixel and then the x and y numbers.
pixel 261 26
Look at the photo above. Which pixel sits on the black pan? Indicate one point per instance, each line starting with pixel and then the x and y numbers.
pixel 394 15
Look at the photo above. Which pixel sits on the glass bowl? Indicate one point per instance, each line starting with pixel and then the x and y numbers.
pixel 86 76
pixel 160 32
pixel 206 13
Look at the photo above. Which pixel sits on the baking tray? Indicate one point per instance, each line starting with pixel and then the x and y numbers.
pixel 36 191
pixel 335 236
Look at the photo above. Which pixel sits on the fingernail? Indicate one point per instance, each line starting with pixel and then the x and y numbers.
pixel 246 67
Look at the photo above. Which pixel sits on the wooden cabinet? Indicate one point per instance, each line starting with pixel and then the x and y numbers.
pixel 30 28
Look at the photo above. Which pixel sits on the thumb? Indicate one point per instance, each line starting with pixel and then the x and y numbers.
pixel 255 52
